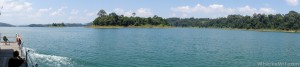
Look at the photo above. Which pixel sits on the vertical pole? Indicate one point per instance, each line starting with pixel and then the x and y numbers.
pixel 26 53
pixel 17 38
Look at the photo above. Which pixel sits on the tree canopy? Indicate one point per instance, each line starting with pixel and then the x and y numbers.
pixel 112 19
pixel 101 13
pixel 290 21
pixel 58 24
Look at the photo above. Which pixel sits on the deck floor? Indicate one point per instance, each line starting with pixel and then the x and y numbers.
pixel 6 52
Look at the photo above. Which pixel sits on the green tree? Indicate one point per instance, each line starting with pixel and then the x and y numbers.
pixel 101 13
pixel 112 19
pixel 133 14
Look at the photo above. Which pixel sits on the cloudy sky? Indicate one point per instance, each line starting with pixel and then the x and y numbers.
pixel 20 12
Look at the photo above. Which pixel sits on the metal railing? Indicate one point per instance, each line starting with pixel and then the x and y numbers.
pixel 28 57
pixel 11 38
pixel 24 52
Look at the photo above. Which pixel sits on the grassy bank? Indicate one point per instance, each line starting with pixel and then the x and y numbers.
pixel 94 26
pixel 160 26
pixel 262 30
pixel 56 26
pixel 276 30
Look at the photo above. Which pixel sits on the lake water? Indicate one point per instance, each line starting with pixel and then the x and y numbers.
pixel 179 47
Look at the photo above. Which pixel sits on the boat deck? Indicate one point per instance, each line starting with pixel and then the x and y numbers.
pixel 6 52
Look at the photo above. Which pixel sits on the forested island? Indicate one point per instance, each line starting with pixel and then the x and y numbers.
pixel 278 22
pixel 56 25
pixel 284 22
pixel 114 20
pixel 6 25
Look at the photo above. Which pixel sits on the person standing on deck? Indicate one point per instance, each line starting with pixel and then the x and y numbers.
pixel 19 39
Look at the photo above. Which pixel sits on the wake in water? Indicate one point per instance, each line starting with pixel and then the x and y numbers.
pixel 44 60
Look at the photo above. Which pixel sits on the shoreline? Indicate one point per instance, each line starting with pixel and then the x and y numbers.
pixel 145 26
pixel 259 30
pixel 148 26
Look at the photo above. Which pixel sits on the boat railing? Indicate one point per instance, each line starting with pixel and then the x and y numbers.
pixel 11 37
pixel 26 53
pixel 28 57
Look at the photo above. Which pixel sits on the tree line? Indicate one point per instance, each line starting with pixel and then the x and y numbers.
pixel 58 24
pixel 289 21
pixel 112 19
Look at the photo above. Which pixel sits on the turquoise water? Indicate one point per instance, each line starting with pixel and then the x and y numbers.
pixel 179 47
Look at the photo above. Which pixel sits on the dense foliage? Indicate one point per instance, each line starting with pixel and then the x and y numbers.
pixel 113 19
pixel 6 25
pixel 187 22
pixel 290 21
pixel 58 24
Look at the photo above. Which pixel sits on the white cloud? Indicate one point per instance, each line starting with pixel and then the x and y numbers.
pixel 144 12
pixel 184 15
pixel 42 12
pixel 123 12
pixel 59 12
pixel 218 10
pixel 74 12
pixel 292 2
pixel 267 10
pixel 21 12
pixel 185 9
pixel 83 16
pixel 86 10
pixel 249 10
pixel 79 19
pixel 15 6
pixel 94 13
pixel 174 15
pixel 89 12
pixel 199 8
pixel 15 11
pixel 141 12
pixel 216 6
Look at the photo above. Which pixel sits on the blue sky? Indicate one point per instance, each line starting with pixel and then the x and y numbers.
pixel 21 12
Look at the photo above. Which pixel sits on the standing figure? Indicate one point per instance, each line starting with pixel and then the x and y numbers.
pixel 19 40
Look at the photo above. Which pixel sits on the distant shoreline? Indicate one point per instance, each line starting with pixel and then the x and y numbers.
pixel 144 26
pixel 159 26
pixel 260 30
